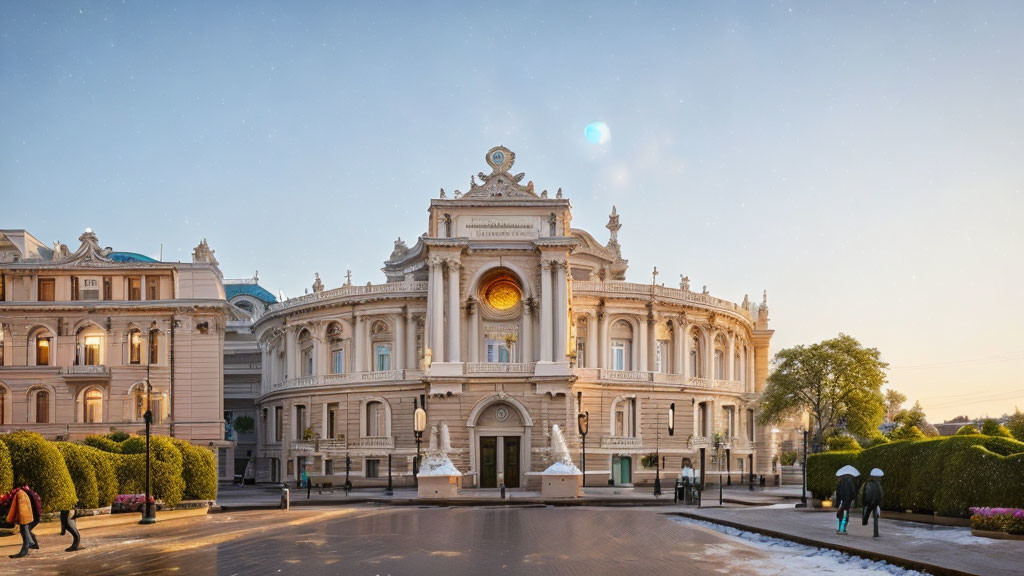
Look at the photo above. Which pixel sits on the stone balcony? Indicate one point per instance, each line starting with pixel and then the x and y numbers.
pixel 659 379
pixel 621 443
pixel 499 368
pixel 350 378
pixel 86 372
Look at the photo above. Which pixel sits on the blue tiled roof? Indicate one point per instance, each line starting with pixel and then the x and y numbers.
pixel 129 257
pixel 254 290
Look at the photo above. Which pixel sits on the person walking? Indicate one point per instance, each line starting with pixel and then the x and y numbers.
pixel 20 513
pixel 846 494
pixel 68 524
pixel 37 514
pixel 871 498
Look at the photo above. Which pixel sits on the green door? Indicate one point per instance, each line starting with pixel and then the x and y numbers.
pixel 511 461
pixel 626 472
pixel 488 462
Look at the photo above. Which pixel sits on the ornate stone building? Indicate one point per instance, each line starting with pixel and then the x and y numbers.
pixel 81 332
pixel 503 320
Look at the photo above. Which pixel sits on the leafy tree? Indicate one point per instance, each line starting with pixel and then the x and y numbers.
pixel 836 381
pixel 913 417
pixel 906 433
pixel 893 404
pixel 1016 425
pixel 992 428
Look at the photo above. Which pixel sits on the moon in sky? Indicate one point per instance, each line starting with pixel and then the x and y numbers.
pixel 597 133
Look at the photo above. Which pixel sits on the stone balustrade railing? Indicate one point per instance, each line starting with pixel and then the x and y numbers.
pixel 372 443
pixel 366 290
pixel 86 370
pixel 661 292
pixel 620 442
pixel 347 378
pixel 499 367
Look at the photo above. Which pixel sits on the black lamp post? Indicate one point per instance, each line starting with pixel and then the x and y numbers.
pixel 348 467
pixel 148 513
pixel 657 447
pixel 803 465
pixel 391 490
pixel 419 425
pixel 583 425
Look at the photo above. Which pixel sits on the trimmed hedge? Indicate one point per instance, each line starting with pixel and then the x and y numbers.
pixel 166 464
pixel 106 477
pixel 6 471
pixel 943 475
pixel 83 475
pixel 992 428
pixel 839 443
pixel 103 443
pixel 40 465
pixel 967 430
pixel 199 471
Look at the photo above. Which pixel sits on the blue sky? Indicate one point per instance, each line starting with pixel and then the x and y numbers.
pixel 860 161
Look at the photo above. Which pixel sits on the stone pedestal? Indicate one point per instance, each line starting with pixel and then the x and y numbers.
pixel 561 485
pixel 438 486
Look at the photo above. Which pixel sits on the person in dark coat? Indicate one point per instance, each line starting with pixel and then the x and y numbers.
pixel 846 494
pixel 20 513
pixel 871 497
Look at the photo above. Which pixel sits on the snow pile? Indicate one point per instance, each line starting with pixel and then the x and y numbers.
pixel 436 461
pixel 792 558
pixel 560 454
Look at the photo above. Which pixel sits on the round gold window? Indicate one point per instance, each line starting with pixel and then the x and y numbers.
pixel 502 293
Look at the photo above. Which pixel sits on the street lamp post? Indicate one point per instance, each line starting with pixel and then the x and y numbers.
pixel 391 489
pixel 583 424
pixel 657 447
pixel 803 466
pixel 718 456
pixel 348 468
pixel 148 513
pixel 419 425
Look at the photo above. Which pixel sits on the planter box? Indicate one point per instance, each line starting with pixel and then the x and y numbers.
pixel 996 535
pixel 561 485
pixel 438 486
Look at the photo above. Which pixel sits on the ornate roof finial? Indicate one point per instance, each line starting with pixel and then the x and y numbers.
pixel 654 276
pixel 203 254
pixel 613 226
pixel 762 312
pixel 559 193
pixel 443 195
pixel 348 277
pixel 684 283
pixel 318 286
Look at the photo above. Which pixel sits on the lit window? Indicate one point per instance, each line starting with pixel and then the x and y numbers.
pixel 42 351
pixel 154 346
pixel 134 347
pixel 92 350
pixel 93 406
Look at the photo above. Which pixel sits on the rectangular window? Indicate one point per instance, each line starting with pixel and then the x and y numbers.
pixel 90 288
pixel 581 353
pixel 338 362
pixel 135 348
pixel 372 468
pixel 278 423
pixel 498 352
pixel 152 288
pixel 750 425
pixel 108 288
pixel 154 347
pixel 92 350
pixel 331 417
pixel 307 362
pixel 135 288
pixel 46 289
pixel 383 362
pixel 42 351
pixel 618 355
pixel 300 421
pixel 329 467
pixel 74 287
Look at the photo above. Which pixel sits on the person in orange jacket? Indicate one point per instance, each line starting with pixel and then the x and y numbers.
pixel 21 514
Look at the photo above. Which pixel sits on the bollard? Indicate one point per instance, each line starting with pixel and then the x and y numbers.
pixel 502 490
pixel 286 499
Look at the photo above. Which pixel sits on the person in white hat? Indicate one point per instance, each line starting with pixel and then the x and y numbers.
pixel 846 494
pixel 871 497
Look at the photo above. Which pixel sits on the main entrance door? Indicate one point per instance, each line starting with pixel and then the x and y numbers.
pixel 499 454
pixel 622 470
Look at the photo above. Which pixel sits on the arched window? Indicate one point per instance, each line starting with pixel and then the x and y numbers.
pixel 154 346
pixel 306 354
pixel 337 348
pixel 719 365
pixel 380 334
pixel 134 347
pixel 622 345
pixel 624 418
pixel 42 407
pixel 92 406
pixel 696 357
pixel 43 340
pixel 736 374
pixel 376 419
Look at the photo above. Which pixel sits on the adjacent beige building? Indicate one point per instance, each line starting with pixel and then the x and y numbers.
pixel 82 331
pixel 504 319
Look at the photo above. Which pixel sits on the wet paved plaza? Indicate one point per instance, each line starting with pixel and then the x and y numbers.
pixel 406 540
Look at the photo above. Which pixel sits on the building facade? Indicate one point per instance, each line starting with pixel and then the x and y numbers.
pixel 502 320
pixel 81 333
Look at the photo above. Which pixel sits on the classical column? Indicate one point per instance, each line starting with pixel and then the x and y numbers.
pixel 526 338
pixel 603 345
pixel 473 336
pixel 454 345
pixel 729 363
pixel 399 342
pixel 358 343
pixel 429 316
pixel 641 352
pixel 591 347
pixel 545 311
pixel 678 360
pixel 709 354
pixel 561 313
pixel 685 327
pixel 291 343
pixel 411 362
pixel 437 314
pixel 652 345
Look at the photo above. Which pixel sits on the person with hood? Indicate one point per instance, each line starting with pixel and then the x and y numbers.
pixel 871 497
pixel 846 494
pixel 21 514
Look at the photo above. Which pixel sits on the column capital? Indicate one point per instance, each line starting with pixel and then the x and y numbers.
pixel 453 265
pixel 546 264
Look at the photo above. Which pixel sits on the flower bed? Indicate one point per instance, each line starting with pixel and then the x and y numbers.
pixel 132 503
pixel 1005 520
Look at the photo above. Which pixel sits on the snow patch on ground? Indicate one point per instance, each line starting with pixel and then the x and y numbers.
pixel 786 558
pixel 439 467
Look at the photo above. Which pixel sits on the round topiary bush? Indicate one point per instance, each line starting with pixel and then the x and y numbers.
pixel 82 474
pixel 103 443
pixel 840 443
pixel 199 471
pixel 166 463
pixel 40 465
pixel 6 472
pixel 966 430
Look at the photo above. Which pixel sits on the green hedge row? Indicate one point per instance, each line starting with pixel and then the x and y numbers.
pixel 944 475
pixel 91 474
